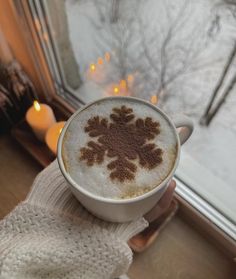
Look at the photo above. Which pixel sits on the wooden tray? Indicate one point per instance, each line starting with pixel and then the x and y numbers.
pixel 23 134
pixel 143 240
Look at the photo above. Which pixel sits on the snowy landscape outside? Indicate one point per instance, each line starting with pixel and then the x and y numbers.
pixel 171 53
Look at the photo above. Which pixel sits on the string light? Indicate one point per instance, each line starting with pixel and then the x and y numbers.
pixel 92 67
pixel 100 61
pixel 116 89
pixel 154 99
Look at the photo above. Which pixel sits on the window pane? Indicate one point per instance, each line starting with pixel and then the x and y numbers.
pixel 171 53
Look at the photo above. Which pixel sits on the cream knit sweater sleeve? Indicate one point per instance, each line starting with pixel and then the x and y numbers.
pixel 50 235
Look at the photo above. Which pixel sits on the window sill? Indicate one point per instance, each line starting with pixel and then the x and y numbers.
pixel 205 224
pixel 194 208
pixel 208 186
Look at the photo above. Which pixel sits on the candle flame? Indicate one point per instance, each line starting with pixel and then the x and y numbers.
pixel 154 99
pixel 107 56
pixel 37 106
pixel 92 67
pixel 116 89
pixel 100 61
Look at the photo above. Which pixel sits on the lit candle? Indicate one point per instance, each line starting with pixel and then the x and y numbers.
pixel 53 134
pixel 119 89
pixel 92 68
pixel 100 61
pixel 116 89
pixel 154 99
pixel 40 117
pixel 97 72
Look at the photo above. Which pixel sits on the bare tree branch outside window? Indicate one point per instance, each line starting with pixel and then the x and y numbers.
pixel 167 57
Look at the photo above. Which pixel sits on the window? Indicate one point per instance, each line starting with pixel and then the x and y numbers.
pixel 174 54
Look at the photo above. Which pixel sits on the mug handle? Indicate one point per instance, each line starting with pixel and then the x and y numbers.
pixel 186 127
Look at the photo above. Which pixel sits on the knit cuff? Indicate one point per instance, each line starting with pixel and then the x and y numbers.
pixel 50 190
pixel 34 239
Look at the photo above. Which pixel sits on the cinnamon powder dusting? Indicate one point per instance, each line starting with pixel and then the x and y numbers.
pixel 124 138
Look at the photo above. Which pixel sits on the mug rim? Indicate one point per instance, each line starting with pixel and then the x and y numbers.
pixel 73 183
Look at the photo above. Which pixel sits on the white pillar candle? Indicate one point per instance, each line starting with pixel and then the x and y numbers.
pixel 53 134
pixel 40 117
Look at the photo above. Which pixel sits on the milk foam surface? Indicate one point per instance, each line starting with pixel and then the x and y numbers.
pixel 96 179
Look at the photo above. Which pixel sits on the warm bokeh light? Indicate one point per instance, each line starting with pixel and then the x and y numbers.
pixel 92 67
pixel 37 24
pixel 116 89
pixel 130 78
pixel 100 61
pixel 37 106
pixel 107 56
pixel 123 84
pixel 154 99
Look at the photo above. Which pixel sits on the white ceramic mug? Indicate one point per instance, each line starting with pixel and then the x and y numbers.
pixel 124 210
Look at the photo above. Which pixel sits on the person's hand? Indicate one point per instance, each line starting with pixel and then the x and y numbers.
pixel 162 204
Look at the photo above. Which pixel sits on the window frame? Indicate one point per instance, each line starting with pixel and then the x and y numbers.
pixel 39 9
pixel 45 55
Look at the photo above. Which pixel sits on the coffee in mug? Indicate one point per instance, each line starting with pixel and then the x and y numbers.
pixel 119 150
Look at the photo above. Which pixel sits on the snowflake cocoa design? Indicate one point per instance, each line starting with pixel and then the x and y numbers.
pixel 124 139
